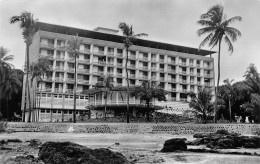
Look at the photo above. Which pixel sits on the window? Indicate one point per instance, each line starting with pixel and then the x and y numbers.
pixel 42 110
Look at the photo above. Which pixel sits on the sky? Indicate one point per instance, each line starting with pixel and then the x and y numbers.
pixel 168 21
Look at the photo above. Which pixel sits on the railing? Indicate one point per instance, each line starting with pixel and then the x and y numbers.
pixel 70 80
pixel 61 47
pixel 83 70
pixel 153 59
pixel 162 79
pixel 59 79
pixel 143 58
pixel 120 64
pixel 110 73
pixel 172 62
pixel 143 77
pixel 191 73
pixel 153 77
pixel 183 81
pixel 191 64
pixel 119 75
pixel 132 76
pixel 207 84
pixel 171 71
pixel 98 72
pixel 119 84
pixel 99 52
pixel 173 89
pixel 47 45
pixel 153 69
pixel 207 67
pixel 100 62
pixel 161 60
pixel 192 82
pixel 57 90
pixel 172 80
pixel 132 56
pixel 84 61
pixel 198 74
pixel 183 63
pixel 83 81
pixel 131 66
pixel 198 65
pixel 71 59
pixel 70 91
pixel 183 72
pixel 161 69
pixel 144 67
pixel 171 99
pixel 71 70
pixel 44 89
pixel 119 55
pixel 60 58
pixel 183 99
pixel 85 50
pixel 110 53
pixel 59 68
pixel 110 63
pixel 47 79
pixel 207 75
pixel 50 57
pixel 199 83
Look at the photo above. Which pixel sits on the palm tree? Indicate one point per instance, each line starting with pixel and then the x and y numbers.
pixel 148 91
pixel 28 26
pixel 73 50
pixel 216 25
pixel 38 70
pixel 129 37
pixel 105 82
pixel 228 92
pixel 10 85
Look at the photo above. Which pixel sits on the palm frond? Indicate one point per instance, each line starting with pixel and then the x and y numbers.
pixel 207 23
pixel 206 40
pixel 230 46
pixel 205 30
pixel 232 33
pixel 231 20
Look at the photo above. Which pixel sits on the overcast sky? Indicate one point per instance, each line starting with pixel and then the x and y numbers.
pixel 170 21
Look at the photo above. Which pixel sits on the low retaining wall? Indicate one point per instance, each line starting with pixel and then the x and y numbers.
pixel 249 129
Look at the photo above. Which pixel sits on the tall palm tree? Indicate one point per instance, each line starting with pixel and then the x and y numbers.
pixel 148 91
pixel 10 85
pixel 105 82
pixel 228 92
pixel 38 70
pixel 28 26
pixel 73 49
pixel 129 37
pixel 216 26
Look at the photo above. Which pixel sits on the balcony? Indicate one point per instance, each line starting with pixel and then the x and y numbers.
pixel 47 45
pixel 59 68
pixel 183 81
pixel 172 80
pixel 153 59
pixel 198 65
pixel 143 58
pixel 192 90
pixel 207 67
pixel 143 77
pixel 46 89
pixel 70 91
pixel 119 84
pixel 119 64
pixel 192 82
pixel 119 75
pixel 161 60
pixel 183 63
pixel 61 47
pixel 161 69
pixel 131 66
pixel 191 64
pixel 199 83
pixel 183 72
pixel 99 72
pixel 173 89
pixel 153 68
pixel 198 74
pixel 72 70
pixel 191 73
pixel 70 80
pixel 162 79
pixel 110 53
pixel 71 59
pixel 59 58
pixel 99 52
pixel 171 71
pixel 57 90
pixel 207 84
pixel 172 62
pixel 132 76
pixel 120 55
pixel 183 90
pixel 110 73
pixel 82 81
pixel 132 85
pixel 49 57
pixel 100 62
pixel 48 79
pixel 153 77
pixel 207 75
pixel 132 56
pixel 59 79
pixel 84 61
pixel 110 63
pixel 85 50
pixel 144 68
pixel 84 71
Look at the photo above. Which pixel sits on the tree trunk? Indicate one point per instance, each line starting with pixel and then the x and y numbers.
pixel 27 80
pixel 216 91
pixel 127 89
pixel 148 109
pixel 229 106
pixel 75 89
pixel 105 112
pixel 7 110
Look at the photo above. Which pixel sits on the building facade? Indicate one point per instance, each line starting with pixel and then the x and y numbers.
pixel 177 69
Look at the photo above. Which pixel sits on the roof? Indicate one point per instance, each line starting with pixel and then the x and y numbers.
pixel 119 39
pixel 107 30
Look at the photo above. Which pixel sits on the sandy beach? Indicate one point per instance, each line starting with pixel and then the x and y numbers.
pixel 139 148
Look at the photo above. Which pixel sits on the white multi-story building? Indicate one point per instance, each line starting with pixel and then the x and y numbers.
pixel 178 69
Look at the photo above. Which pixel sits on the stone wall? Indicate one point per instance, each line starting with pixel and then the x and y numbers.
pixel 130 128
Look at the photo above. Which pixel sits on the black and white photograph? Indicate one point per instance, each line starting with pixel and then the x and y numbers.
pixel 129 82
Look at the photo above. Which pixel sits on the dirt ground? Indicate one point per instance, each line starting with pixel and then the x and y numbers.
pixel 139 148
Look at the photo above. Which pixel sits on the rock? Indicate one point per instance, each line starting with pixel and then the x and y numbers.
pixel 222 131
pixel 198 141
pixel 27 159
pixel 14 140
pixel 201 135
pixel 175 144
pixel 2 142
pixel 223 143
pixel 71 153
pixel 34 143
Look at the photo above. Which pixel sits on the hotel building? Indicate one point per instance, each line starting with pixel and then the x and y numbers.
pixel 177 69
